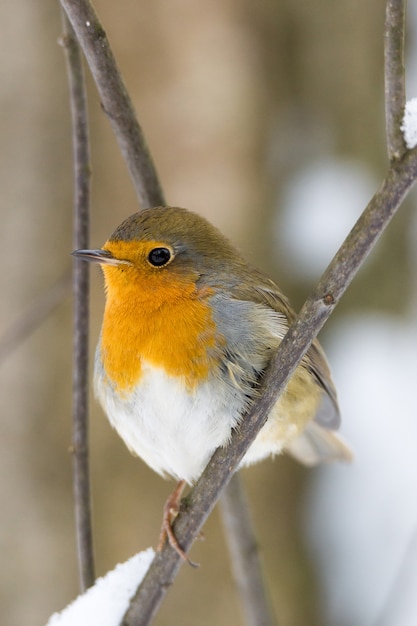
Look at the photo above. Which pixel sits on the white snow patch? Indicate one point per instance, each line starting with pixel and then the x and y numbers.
pixel 106 602
pixel 409 125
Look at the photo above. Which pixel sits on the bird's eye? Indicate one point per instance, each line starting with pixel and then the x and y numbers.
pixel 158 257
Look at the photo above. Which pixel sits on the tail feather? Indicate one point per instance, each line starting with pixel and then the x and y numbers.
pixel 318 445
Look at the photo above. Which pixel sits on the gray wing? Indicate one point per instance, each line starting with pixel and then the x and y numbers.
pixel 317 443
pixel 328 414
pixel 264 291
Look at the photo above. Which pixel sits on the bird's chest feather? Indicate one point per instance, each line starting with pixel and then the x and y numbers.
pixel 158 377
pixel 174 429
pixel 174 380
pixel 176 334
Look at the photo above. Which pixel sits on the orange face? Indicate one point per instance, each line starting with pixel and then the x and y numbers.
pixel 155 315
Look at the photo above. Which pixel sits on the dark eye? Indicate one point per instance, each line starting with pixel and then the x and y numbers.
pixel 158 257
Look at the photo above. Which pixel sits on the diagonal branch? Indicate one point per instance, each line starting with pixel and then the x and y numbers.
pixel 394 76
pixel 115 100
pixel 81 150
pixel 30 320
pixel 315 312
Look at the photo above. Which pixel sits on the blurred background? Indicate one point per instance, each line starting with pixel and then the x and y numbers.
pixel 267 118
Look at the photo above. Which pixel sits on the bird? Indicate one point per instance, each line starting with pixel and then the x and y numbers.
pixel 188 330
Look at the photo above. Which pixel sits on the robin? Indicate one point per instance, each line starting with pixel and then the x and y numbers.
pixel 188 329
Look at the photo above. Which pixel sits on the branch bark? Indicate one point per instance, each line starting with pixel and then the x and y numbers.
pixel 115 100
pixel 394 76
pixel 82 175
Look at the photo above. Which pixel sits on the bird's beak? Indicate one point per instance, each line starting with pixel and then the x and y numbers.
pixel 99 256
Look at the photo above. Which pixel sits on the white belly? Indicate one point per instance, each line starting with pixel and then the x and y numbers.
pixel 174 432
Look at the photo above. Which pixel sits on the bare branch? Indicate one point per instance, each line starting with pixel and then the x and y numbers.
pixel 35 315
pixel 115 100
pixel 244 555
pixel 315 312
pixel 81 149
pixel 394 76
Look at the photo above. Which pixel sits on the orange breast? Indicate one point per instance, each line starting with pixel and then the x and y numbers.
pixel 154 318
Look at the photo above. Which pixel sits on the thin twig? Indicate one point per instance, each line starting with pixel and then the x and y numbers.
pixel 82 176
pixel 244 555
pixel 35 315
pixel 115 100
pixel 394 76
pixel 315 312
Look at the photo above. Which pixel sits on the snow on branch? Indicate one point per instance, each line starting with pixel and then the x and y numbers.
pixel 409 125
pixel 106 602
